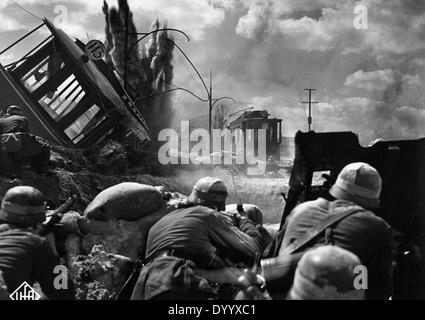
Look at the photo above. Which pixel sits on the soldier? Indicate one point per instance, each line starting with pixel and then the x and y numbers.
pixel 187 245
pixel 360 231
pixel 25 256
pixel 19 145
pixel 326 273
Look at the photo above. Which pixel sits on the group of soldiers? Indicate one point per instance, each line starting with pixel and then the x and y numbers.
pixel 203 251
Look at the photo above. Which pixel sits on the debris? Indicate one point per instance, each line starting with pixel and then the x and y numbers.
pixel 100 275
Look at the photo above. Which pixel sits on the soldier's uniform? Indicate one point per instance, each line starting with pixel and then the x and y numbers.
pixel 18 145
pixel 369 237
pixel 194 237
pixel 25 256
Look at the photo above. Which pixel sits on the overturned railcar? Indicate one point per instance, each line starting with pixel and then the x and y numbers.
pixel 68 98
pixel 319 157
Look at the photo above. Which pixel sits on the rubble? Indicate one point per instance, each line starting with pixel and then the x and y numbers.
pixel 100 275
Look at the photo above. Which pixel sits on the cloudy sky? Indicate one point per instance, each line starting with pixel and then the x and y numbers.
pixel 266 52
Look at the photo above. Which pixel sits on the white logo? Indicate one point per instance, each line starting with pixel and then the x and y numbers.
pixel 61 15
pixel 61 281
pixel 227 146
pixel 95 49
pixel 25 292
pixel 361 279
pixel 360 20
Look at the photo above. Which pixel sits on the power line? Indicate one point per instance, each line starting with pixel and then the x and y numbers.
pixel 27 11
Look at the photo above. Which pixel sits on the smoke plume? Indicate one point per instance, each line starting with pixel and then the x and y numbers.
pixel 149 67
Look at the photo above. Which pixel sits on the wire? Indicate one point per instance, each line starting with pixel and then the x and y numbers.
pixel 185 63
pixel 162 92
pixel 27 11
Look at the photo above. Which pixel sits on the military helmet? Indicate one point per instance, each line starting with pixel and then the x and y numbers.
pixel 326 273
pixel 210 192
pixel 23 205
pixel 360 183
pixel 14 110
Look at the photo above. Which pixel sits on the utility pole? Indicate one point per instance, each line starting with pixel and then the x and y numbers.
pixel 310 118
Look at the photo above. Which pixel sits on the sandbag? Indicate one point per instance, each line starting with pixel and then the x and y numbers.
pixel 125 201
pixel 127 238
pixel 251 211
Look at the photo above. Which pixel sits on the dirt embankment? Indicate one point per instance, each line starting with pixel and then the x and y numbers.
pixel 100 260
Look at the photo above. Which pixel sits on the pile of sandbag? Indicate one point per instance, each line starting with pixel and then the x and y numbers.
pixel 119 218
pixel 105 241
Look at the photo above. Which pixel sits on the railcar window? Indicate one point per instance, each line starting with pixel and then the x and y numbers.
pixel 64 99
pixel 79 129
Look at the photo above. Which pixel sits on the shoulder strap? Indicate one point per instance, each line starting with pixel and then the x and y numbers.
pixel 314 232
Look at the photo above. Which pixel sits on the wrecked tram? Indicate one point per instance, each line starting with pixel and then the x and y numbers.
pixel 69 98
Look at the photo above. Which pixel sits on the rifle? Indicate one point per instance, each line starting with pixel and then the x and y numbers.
pixel 56 216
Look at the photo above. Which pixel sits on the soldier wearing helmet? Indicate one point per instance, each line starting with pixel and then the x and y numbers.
pixel 326 273
pixel 191 239
pixel 369 237
pixel 25 256
pixel 19 144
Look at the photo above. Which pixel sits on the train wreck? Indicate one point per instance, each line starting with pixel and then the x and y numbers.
pixel 69 98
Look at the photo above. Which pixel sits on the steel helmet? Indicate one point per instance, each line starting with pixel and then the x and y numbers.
pixel 209 192
pixel 14 110
pixel 23 205
pixel 360 183
pixel 326 273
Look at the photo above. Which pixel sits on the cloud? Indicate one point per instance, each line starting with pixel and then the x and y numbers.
pixel 256 22
pixel 86 16
pixel 265 52
pixel 371 80
pixel 411 121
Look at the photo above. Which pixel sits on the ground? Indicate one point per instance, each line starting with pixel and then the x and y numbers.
pixel 101 260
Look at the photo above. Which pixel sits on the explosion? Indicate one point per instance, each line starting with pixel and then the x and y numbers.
pixel 149 68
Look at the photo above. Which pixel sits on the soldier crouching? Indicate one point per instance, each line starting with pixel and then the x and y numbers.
pixel 186 248
pixel 24 255
pixel 18 145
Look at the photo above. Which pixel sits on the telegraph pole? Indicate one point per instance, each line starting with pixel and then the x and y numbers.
pixel 310 118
